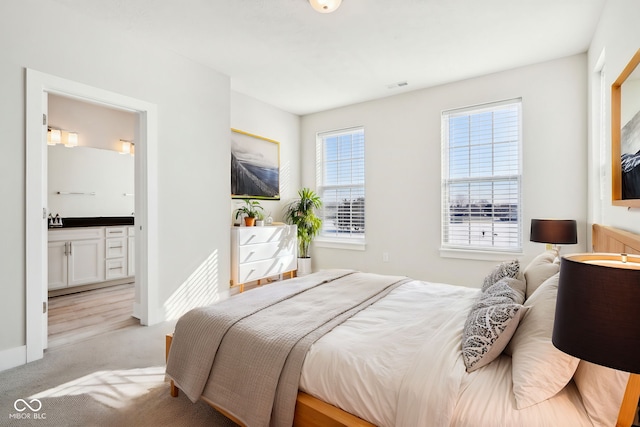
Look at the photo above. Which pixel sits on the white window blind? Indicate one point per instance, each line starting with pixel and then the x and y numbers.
pixel 340 178
pixel 481 177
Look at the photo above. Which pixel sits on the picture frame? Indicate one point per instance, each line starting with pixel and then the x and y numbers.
pixel 625 136
pixel 255 166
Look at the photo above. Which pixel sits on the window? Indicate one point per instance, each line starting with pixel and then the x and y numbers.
pixel 340 178
pixel 481 178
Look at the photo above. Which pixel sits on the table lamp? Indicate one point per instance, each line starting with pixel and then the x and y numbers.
pixel 554 232
pixel 597 315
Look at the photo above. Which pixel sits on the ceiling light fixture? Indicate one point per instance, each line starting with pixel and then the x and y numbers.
pixel 325 6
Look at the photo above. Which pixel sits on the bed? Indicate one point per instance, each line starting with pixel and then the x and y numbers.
pixel 398 352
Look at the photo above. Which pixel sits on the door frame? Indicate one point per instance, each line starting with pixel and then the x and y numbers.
pixel 38 85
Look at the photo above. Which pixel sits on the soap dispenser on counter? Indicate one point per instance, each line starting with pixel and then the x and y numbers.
pixel 55 221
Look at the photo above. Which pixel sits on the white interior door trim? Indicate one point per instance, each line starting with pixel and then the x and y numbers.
pixel 146 203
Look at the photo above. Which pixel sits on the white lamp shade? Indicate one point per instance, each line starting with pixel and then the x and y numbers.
pixel 325 6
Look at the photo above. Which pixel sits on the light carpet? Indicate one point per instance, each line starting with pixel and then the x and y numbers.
pixel 115 379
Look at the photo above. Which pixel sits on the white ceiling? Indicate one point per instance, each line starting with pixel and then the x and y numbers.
pixel 284 53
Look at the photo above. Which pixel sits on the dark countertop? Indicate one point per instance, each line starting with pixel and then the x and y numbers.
pixel 98 221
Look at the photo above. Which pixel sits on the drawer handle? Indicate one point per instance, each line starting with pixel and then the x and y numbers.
pixel 114 231
pixel 115 247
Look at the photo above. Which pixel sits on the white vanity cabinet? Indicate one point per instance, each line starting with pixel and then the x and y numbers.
pixel 260 252
pixel 89 255
pixel 75 256
pixel 116 248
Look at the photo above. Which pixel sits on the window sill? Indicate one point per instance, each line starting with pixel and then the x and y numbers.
pixel 478 255
pixel 353 245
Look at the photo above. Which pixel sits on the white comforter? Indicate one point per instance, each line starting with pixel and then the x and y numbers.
pixel 399 363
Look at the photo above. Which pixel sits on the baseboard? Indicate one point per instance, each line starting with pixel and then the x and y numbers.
pixel 12 357
pixel 136 310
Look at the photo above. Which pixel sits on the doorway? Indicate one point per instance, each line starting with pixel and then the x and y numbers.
pixel 91 204
pixel 38 86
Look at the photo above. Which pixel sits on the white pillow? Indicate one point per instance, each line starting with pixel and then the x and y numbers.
pixel 602 390
pixel 540 269
pixel 539 369
pixel 491 324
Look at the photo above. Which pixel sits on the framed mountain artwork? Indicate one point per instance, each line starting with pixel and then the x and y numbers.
pixel 255 166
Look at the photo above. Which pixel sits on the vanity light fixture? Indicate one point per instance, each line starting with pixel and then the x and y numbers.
pixel 70 139
pixel 126 147
pixel 54 136
pixel 325 6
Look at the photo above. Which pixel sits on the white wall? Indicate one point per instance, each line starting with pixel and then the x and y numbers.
pixel 617 39
pixel 97 126
pixel 193 149
pixel 403 166
pixel 255 117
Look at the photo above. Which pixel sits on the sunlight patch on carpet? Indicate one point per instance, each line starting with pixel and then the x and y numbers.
pixel 115 389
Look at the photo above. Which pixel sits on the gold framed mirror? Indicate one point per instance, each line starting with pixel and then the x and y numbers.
pixel 625 136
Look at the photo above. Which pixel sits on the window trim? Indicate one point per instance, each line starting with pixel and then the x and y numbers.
pixel 350 243
pixel 490 253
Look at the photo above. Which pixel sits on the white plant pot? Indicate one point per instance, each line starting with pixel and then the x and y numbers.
pixel 259 223
pixel 304 266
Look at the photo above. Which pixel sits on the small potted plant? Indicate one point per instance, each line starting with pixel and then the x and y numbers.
pixel 260 219
pixel 301 212
pixel 251 210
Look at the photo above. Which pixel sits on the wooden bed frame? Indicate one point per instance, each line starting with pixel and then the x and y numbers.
pixel 312 412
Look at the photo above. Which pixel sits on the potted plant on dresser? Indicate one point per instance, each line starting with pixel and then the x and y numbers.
pixel 251 210
pixel 301 212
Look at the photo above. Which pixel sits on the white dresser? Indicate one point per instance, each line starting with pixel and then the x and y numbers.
pixel 260 252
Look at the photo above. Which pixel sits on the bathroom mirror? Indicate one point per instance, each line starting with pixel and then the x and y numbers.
pixel 90 182
pixel 625 135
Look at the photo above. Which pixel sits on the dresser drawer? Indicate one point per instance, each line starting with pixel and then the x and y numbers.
pixel 80 233
pixel 254 235
pixel 115 232
pixel 261 251
pixel 115 268
pixel 270 267
pixel 116 247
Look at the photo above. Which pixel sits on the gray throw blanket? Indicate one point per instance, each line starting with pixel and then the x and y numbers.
pixel 245 354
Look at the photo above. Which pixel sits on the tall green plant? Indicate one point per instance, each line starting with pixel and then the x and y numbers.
pixel 301 213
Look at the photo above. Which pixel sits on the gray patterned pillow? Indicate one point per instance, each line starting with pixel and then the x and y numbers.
pixel 500 271
pixel 505 291
pixel 492 322
pixel 487 332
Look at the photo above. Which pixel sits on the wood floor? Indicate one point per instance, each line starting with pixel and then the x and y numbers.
pixel 76 317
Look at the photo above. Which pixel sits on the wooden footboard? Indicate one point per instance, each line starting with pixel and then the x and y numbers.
pixel 310 411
